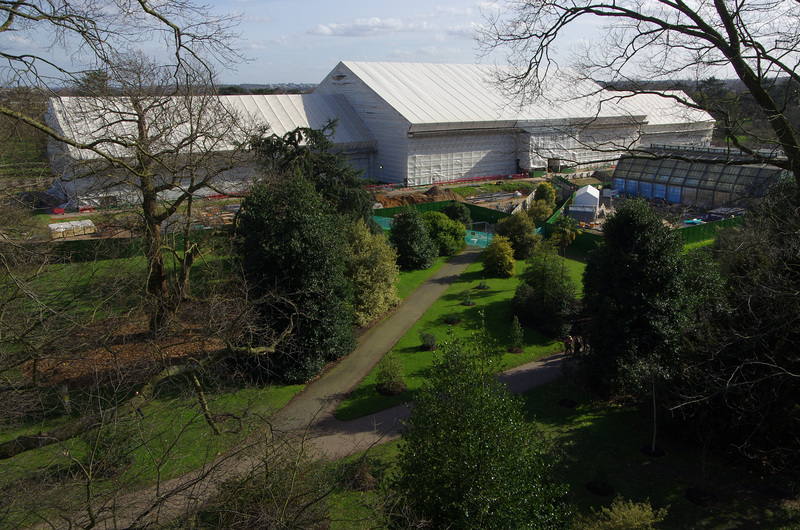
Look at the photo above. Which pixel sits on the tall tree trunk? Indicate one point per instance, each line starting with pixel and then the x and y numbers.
pixel 156 271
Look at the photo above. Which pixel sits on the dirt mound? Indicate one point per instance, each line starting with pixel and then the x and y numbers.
pixel 434 194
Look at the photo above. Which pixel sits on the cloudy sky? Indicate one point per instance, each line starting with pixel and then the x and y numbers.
pixel 302 40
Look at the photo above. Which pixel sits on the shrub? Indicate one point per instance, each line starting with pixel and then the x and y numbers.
pixel 622 514
pixel 389 375
pixel 457 211
pixel 498 259
pixel 446 233
pixel 451 319
pixel 428 340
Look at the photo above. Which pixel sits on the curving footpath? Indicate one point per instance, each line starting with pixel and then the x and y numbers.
pixel 310 414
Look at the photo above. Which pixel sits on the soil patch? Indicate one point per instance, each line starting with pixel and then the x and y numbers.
pixel 433 194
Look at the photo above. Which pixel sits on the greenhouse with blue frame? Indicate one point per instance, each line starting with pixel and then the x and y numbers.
pixel 700 178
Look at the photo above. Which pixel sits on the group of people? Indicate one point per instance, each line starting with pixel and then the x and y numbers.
pixel 573 344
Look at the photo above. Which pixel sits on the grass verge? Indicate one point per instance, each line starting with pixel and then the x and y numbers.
pixel 409 280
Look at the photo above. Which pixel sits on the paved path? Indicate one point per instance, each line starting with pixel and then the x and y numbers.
pixel 322 396
pixel 311 411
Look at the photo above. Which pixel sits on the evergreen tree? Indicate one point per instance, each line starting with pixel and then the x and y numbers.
pixel 634 292
pixel 545 192
pixel 371 267
pixel 409 235
pixel 446 233
pixel 290 241
pixel 311 154
pixel 545 300
pixel 521 231
pixel 469 459
pixel 498 259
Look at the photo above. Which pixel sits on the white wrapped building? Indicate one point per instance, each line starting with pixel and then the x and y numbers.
pixel 423 124
pixel 434 123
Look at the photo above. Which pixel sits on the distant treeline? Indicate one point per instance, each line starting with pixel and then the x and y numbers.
pixel 242 90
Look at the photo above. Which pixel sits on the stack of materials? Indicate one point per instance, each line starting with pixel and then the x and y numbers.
pixel 71 229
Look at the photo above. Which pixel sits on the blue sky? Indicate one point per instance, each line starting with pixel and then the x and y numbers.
pixel 302 40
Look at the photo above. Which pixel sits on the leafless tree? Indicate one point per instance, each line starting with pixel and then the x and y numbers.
pixel 157 140
pixel 169 131
pixel 636 42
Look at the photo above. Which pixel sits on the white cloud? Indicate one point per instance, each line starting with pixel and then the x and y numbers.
pixel 361 27
pixel 375 26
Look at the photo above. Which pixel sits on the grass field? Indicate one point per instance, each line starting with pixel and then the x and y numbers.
pixel 492 309
pixel 168 437
pixel 508 187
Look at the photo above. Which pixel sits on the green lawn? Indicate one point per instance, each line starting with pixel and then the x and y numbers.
pixel 168 438
pixel 492 307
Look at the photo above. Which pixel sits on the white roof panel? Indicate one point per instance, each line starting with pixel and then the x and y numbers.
pixel 448 96
pixel 86 120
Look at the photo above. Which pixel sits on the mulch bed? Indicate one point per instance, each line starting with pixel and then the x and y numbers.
pixel 111 351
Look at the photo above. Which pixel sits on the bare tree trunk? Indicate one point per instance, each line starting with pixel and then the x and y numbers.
pixel 156 270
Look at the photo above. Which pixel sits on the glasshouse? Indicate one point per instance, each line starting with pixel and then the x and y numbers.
pixel 671 175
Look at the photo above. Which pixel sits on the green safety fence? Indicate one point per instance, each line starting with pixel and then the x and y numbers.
pixel 706 231
pixel 479 214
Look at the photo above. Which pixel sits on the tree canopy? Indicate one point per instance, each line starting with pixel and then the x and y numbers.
pixel 633 290
pixel 468 458
pixel 289 241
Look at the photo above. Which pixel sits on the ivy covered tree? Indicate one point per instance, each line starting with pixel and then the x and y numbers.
pixel 498 259
pixel 410 236
pixel 311 153
pixel 545 300
pixel 289 240
pixel 446 233
pixel 469 459
pixel 371 267
pixel 521 231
